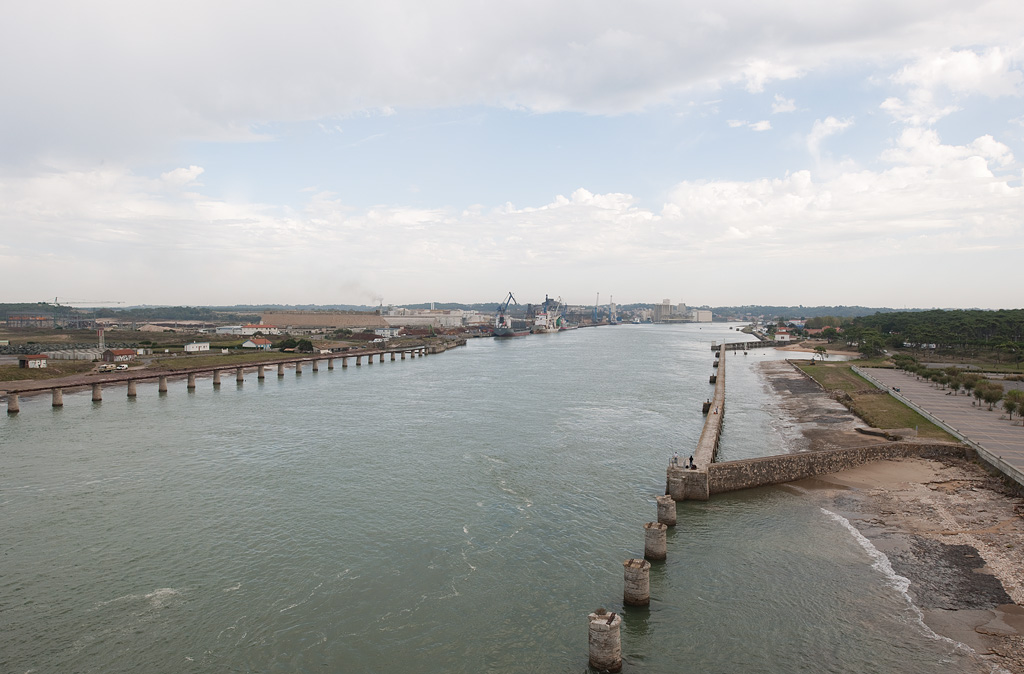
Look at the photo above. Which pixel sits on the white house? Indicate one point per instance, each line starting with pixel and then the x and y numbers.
pixel 261 343
pixel 196 347
pixel 782 335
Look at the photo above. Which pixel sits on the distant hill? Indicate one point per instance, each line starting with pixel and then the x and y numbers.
pixel 800 311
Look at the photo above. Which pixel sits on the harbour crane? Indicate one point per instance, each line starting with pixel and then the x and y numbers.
pixel 62 314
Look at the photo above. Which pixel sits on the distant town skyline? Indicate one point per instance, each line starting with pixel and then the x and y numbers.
pixel 781 153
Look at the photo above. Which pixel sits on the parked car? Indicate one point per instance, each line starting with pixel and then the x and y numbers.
pixel 107 367
pixel 122 366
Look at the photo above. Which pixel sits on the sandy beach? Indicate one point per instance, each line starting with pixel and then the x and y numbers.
pixel 954 531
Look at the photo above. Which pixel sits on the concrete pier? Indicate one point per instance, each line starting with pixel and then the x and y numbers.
pixel 637 582
pixel 667 511
pixel 605 641
pixel 131 379
pixel 655 541
pixel 684 484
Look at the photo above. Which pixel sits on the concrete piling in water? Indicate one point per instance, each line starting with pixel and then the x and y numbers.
pixel 637 582
pixel 191 385
pixel 162 384
pixel 259 373
pixel 239 375
pixel 280 369
pixel 344 361
pixel 330 363
pixel 655 541
pixel 666 511
pixel 216 377
pixel 316 365
pixel 381 358
pixel 58 397
pixel 132 389
pixel 359 360
pixel 97 393
pixel 605 640
pixel 403 355
pixel 12 403
pixel 392 356
pixel 298 369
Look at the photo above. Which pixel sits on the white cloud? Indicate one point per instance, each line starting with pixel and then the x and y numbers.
pixel 783 104
pixel 763 125
pixel 758 72
pixel 142 79
pixel 101 227
pixel 821 130
pixel 180 177
pixel 934 77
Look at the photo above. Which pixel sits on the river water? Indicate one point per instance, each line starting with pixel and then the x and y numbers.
pixel 457 513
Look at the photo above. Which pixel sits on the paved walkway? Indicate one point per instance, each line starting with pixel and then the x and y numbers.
pixel 991 430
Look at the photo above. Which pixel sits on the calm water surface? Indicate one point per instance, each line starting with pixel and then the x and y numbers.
pixel 457 513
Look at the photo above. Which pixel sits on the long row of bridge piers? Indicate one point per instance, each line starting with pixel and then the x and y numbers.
pixel 57 392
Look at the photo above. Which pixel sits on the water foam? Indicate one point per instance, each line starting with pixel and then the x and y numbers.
pixel 880 562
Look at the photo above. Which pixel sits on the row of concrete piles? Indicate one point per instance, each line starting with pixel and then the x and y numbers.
pixel 604 634
pixel 57 393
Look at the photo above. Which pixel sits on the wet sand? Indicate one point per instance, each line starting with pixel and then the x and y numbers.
pixel 954 531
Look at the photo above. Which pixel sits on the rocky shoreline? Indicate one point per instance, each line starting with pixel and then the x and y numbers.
pixel 950 528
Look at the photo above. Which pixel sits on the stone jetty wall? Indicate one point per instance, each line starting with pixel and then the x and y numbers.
pixel 729 476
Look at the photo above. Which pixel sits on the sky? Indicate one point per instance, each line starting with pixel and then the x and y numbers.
pixel 220 153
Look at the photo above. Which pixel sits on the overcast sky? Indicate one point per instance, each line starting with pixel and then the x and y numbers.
pixel 864 152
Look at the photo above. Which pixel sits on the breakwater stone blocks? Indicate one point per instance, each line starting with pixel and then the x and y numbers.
pixel 605 641
pixel 734 475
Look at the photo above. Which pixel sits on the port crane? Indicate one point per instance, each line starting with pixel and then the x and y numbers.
pixel 500 320
pixel 63 316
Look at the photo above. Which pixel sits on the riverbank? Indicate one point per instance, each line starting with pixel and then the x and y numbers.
pixel 952 530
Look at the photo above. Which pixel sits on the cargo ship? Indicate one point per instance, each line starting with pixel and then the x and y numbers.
pixel 549 318
pixel 505 325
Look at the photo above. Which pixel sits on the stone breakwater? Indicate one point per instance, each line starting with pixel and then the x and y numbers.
pixel 729 476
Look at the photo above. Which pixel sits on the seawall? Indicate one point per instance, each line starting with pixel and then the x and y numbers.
pixel 729 476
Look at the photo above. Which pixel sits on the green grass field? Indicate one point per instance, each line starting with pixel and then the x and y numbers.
pixel 53 369
pixel 878 410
